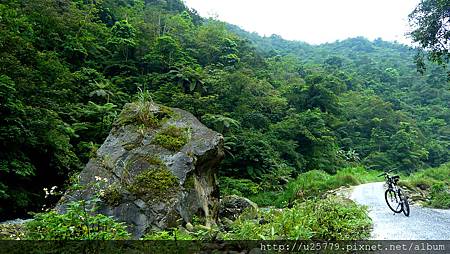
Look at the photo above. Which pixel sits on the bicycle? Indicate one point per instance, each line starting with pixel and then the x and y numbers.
pixel 396 200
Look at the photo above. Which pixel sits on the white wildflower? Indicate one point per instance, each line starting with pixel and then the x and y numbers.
pixel 47 193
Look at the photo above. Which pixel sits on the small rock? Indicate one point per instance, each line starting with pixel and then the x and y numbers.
pixel 189 227
pixel 202 227
pixel 233 206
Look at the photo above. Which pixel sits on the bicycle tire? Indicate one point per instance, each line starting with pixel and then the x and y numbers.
pixel 405 204
pixel 392 195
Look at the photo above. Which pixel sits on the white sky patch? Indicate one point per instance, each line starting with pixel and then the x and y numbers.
pixel 314 21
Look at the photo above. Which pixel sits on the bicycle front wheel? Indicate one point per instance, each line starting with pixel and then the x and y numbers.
pixel 393 201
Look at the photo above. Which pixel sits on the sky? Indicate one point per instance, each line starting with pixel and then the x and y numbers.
pixel 314 21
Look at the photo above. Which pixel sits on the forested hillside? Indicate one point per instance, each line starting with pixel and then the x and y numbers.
pixel 284 108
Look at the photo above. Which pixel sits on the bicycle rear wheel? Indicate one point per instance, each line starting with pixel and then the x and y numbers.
pixel 405 204
pixel 393 201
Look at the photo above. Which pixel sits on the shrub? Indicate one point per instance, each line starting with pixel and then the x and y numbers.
pixel 199 232
pixel 441 200
pixel 266 198
pixel 79 223
pixel 327 219
pixel 307 185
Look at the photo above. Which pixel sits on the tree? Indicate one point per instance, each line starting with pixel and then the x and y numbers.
pixel 123 38
pixel 430 21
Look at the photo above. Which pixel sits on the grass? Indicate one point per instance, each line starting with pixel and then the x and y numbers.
pixel 314 184
pixel 144 113
pixel 424 179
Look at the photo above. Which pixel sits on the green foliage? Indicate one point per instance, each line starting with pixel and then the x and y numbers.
pixel 189 183
pixel 240 187
pixel 175 234
pixel 79 223
pixel 172 138
pixel 327 219
pixel 220 123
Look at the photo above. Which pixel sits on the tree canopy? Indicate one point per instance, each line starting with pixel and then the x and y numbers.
pixel 430 22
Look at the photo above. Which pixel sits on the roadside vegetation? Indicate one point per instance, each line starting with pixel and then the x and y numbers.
pixel 332 218
pixel 309 185
pixel 432 184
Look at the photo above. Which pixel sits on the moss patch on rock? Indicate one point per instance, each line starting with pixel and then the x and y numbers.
pixel 172 138
pixel 189 183
pixel 154 184
pixel 154 160
pixel 130 146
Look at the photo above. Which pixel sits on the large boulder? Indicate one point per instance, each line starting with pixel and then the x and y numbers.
pixel 155 170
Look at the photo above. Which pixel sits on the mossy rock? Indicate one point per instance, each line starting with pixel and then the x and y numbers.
pixel 158 167
pixel 155 184
pixel 172 138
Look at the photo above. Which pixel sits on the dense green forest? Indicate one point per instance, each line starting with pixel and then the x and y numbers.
pixel 67 67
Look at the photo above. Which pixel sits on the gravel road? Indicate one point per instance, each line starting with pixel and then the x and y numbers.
pixel 422 223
